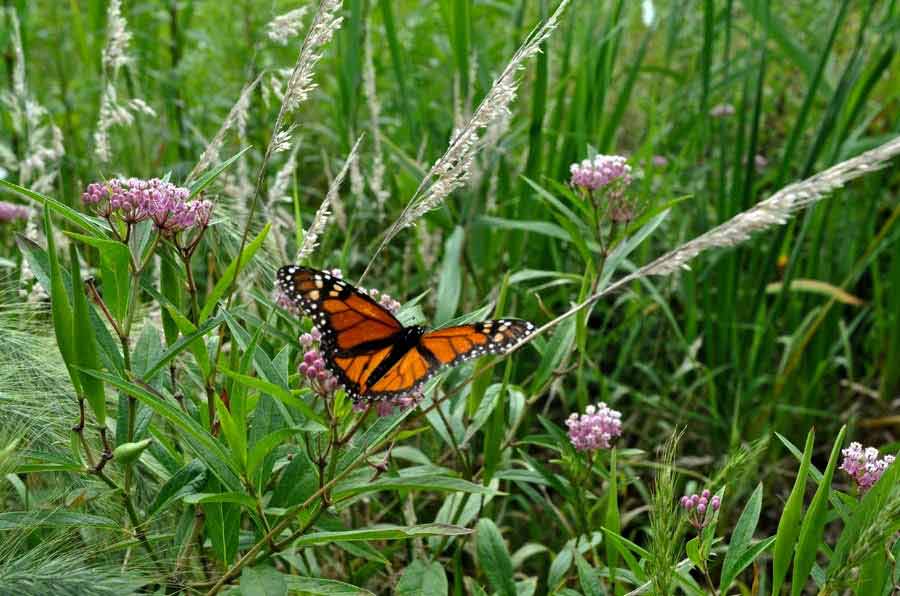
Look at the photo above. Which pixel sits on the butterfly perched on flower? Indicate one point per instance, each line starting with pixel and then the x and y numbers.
pixel 370 352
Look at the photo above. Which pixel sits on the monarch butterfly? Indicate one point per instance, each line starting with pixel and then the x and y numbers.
pixel 370 352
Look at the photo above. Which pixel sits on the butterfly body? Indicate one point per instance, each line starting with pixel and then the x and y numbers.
pixel 370 352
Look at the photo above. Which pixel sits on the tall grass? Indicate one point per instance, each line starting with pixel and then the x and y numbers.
pixel 751 295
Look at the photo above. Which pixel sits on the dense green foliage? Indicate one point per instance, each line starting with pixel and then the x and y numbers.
pixel 201 460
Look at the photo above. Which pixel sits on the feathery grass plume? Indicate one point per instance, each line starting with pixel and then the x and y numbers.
pixel 376 177
pixel 114 57
pixel 40 141
pixel 63 564
pixel 666 527
pixel 285 26
pixel 325 23
pixel 453 168
pixel 236 116
pixel 310 239
pixel 776 210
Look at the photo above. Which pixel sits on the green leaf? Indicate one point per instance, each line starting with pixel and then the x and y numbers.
pixel 558 348
pixel 611 522
pixel 228 277
pixel 735 557
pixel 421 577
pixel 188 480
pixel 745 557
pixel 206 447
pixel 237 498
pixel 207 178
pixel 115 261
pixel 789 524
pixel 814 521
pixel 86 353
pixel 316 586
pixel 235 435
pixel 222 525
pixel 61 308
pixel 179 346
pixel 426 482
pixel 261 449
pixel 89 224
pixel 381 532
pixel 493 557
pixel 450 279
pixel 262 581
pixel 279 393
pixel 587 578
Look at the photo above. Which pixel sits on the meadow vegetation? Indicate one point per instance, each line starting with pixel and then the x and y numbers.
pixel 695 203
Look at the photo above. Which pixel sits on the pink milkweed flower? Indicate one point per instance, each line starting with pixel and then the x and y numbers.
pixel 595 429
pixel 864 465
pixel 600 171
pixel 12 212
pixel 134 200
pixel 696 507
pixel 722 110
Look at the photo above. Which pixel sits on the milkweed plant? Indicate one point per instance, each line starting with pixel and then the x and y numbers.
pixel 170 422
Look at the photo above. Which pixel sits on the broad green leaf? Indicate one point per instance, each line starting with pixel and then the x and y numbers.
pixel 745 557
pixel 434 483
pixel 262 447
pixel 85 354
pixel 114 272
pixel 207 448
pixel 381 532
pixel 789 524
pixel 222 525
pixel 315 586
pixel 558 348
pixel 236 436
pixel 587 578
pixel 188 480
pixel 228 277
pixel 493 557
pixel 262 581
pixel 421 577
pixel 279 393
pixel 299 481
pixel 183 343
pixel 814 521
pixel 450 278
pixel 233 497
pixel 89 224
pixel 741 537
pixel 61 307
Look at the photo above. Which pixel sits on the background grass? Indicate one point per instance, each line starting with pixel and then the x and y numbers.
pixel 731 350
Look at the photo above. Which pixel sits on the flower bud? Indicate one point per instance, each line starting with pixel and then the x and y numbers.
pixel 127 453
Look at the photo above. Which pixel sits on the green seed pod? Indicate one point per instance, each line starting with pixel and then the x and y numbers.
pixel 127 453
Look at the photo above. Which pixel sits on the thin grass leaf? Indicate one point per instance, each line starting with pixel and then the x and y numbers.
pixel 789 524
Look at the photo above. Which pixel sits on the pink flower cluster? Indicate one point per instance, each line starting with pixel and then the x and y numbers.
pixel 697 505
pixel 601 171
pixel 864 465
pixel 134 200
pixel 385 407
pixel 596 428
pixel 313 366
pixel 12 212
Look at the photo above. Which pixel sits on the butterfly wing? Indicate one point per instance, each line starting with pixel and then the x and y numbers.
pixel 447 347
pixel 357 332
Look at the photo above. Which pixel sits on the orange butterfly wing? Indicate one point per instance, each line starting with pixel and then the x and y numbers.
pixel 367 348
pixel 357 332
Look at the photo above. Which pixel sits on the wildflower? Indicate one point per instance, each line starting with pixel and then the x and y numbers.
pixel 601 171
pixel 382 299
pixel 135 200
pixel 660 161
pixel 12 212
pixel 864 465
pixel 385 407
pixel 595 429
pixel 320 378
pixel 697 506
pixel 722 110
